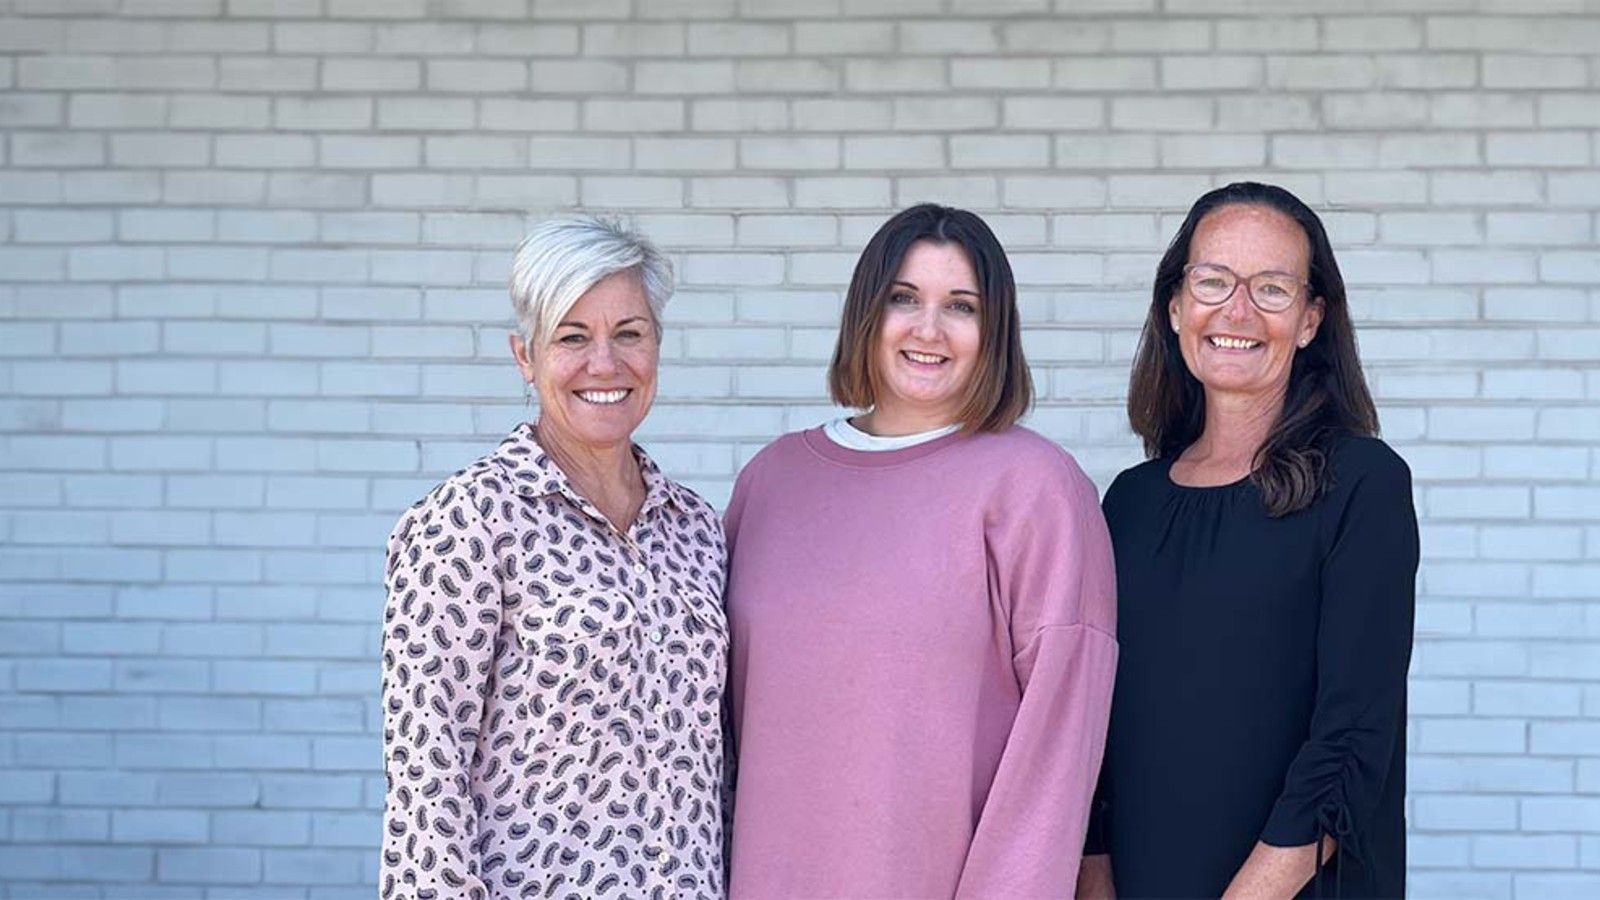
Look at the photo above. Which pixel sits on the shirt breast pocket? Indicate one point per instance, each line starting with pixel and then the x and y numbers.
pixel 579 645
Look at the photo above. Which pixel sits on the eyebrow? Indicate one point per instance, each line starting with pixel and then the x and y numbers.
pixel 968 293
pixel 628 321
pixel 1213 265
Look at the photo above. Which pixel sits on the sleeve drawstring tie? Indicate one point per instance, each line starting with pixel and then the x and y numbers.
pixel 1333 820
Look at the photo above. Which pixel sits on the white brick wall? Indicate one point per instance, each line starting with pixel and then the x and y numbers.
pixel 251 257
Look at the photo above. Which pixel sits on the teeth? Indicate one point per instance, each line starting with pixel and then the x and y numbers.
pixel 1228 343
pixel 604 397
pixel 928 358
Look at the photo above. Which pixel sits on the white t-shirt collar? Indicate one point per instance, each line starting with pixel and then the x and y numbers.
pixel 841 432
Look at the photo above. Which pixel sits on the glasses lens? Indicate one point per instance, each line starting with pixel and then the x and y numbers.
pixel 1274 291
pixel 1210 284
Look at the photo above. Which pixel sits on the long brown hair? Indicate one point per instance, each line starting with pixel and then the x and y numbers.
pixel 1327 394
pixel 1001 389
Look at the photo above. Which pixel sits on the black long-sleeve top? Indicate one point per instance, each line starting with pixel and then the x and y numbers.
pixel 1261 690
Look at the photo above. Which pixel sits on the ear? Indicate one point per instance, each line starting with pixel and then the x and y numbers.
pixel 1313 321
pixel 1174 306
pixel 520 353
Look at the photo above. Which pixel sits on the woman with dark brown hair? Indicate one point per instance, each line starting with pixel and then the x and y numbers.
pixel 1266 556
pixel 921 603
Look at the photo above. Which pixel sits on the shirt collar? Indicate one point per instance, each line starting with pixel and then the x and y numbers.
pixel 534 473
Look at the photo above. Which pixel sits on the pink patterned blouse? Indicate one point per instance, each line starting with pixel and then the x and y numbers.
pixel 552 689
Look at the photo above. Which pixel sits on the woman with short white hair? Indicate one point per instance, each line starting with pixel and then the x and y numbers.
pixel 554 641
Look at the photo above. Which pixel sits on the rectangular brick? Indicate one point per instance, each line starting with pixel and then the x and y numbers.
pixel 1549 148
pixel 106 788
pixel 262 74
pixel 39 826
pixel 901 75
pixel 301 792
pixel 1005 74
pixel 893 153
pixel 164 752
pixel 1569 814
pixel 63 675
pixel 160 676
pixel 1524 851
pixel 1212 73
pixel 634 115
pixel 1056 36
pixel 159 826
pixel 209 865
pixel 261 828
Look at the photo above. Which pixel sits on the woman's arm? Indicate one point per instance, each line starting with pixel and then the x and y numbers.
pixel 1052 571
pixel 1335 782
pixel 440 624
pixel 1276 872
pixel 1094 878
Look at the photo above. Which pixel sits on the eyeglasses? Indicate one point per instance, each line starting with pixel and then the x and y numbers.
pixel 1271 292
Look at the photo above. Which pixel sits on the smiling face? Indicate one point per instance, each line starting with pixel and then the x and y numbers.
pixel 928 340
pixel 595 373
pixel 1234 348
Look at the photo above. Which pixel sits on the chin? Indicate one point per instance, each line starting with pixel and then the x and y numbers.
pixel 599 429
pixel 924 404
pixel 1235 384
pixel 923 395
pixel 609 432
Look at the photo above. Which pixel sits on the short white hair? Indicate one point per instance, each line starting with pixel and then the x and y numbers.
pixel 561 259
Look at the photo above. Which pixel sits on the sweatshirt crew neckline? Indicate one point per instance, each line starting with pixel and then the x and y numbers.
pixel 817 441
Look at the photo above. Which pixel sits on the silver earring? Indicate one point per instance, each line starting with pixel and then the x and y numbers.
pixel 527 395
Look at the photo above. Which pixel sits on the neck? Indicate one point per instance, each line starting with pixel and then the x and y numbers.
pixel 897 423
pixel 1236 427
pixel 606 474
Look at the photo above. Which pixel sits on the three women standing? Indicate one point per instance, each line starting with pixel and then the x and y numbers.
pixel 924 616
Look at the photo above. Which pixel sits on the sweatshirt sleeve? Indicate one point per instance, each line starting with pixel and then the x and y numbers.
pixel 735 510
pixel 730 733
pixel 1336 780
pixel 440 625
pixel 1098 840
pixel 1051 566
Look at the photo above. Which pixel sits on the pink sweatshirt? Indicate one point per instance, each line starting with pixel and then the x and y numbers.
pixel 923 653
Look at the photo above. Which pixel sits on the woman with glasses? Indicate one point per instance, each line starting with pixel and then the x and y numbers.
pixel 1266 556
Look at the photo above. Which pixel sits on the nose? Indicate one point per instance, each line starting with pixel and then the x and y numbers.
pixel 602 357
pixel 926 327
pixel 1239 306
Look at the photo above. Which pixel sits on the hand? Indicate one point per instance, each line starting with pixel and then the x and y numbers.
pixel 1094 878
pixel 1272 872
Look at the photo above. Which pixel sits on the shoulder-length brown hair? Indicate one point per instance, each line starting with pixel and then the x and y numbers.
pixel 1327 394
pixel 1001 389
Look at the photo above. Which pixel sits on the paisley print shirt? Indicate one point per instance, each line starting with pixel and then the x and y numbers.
pixel 552 690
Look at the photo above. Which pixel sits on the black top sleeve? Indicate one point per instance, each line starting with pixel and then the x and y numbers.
pixel 1335 782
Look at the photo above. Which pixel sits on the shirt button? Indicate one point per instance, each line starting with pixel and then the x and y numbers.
pixel 659 635
pixel 639 568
